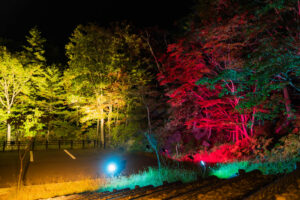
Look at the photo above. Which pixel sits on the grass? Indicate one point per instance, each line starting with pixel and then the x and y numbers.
pixel 228 170
pixel 51 190
pixel 151 176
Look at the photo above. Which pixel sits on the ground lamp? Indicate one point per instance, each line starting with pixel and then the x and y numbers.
pixel 112 168
pixel 114 165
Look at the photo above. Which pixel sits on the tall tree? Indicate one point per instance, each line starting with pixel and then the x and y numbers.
pixel 51 98
pixel 34 50
pixel 227 68
pixel 14 82
pixel 89 54
pixel 107 67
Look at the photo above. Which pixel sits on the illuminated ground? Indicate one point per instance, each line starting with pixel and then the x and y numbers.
pixel 250 186
pixel 57 166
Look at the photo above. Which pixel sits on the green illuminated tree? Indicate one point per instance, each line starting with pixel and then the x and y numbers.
pixel 51 97
pixel 34 51
pixel 14 84
pixel 275 60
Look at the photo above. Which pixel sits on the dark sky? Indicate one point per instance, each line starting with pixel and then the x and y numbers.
pixel 57 19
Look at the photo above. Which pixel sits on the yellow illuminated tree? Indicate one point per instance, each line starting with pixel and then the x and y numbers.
pixel 107 68
pixel 51 98
pixel 89 53
pixel 14 83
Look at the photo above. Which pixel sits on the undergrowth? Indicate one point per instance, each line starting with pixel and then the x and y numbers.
pixel 151 176
pixel 228 170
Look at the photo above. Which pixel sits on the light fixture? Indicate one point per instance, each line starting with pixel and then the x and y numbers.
pixel 202 163
pixel 111 168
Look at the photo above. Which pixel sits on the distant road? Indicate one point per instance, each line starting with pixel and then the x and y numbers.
pixel 58 165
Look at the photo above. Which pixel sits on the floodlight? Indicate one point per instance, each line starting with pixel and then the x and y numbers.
pixel 112 167
pixel 202 162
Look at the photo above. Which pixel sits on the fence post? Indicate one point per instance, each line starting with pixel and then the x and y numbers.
pixel 4 143
pixel 71 144
pixel 82 144
pixel 46 144
pixel 58 144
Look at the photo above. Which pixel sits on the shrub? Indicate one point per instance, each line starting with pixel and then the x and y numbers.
pixel 228 170
pixel 287 148
pixel 152 176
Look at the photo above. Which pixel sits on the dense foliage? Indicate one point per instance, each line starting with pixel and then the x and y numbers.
pixel 231 79
pixel 231 74
pixel 100 94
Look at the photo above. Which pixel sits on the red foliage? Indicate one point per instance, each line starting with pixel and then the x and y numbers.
pixel 197 107
pixel 242 150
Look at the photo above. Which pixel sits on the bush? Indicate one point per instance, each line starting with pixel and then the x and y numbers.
pixel 245 149
pixel 228 170
pixel 287 148
pixel 152 176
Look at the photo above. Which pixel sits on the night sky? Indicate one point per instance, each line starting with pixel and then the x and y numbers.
pixel 57 19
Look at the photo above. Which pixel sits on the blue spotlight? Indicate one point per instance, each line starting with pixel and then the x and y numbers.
pixel 113 165
pixel 111 168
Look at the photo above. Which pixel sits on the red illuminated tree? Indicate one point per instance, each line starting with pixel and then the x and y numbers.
pixel 225 75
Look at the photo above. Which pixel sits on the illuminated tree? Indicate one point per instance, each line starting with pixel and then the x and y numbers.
pixel 35 48
pixel 31 127
pixel 275 58
pixel 224 76
pixel 51 98
pixel 89 54
pixel 106 67
pixel 34 51
pixel 14 83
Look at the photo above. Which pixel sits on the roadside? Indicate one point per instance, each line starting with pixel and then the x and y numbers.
pixel 56 166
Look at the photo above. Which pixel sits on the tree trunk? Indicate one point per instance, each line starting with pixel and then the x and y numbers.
pixel 102 133
pixel 102 129
pixel 77 117
pixel 21 159
pixel 287 102
pixel 109 121
pixel 117 117
pixel 8 130
pixel 8 133
pixel 48 132
pixel 155 147
pixel 290 114
pixel 97 133
pixel 252 122
pixel 244 126
pixel 102 119
pixel 21 170
pixel 127 111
